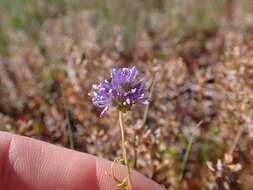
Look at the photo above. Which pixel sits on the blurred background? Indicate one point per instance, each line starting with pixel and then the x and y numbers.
pixel 196 57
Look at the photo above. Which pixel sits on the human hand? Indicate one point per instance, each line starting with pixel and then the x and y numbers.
pixel 29 164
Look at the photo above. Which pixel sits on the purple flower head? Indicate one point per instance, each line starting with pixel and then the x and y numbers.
pixel 123 90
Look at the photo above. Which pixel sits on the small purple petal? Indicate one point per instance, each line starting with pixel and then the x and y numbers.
pixel 103 112
pixel 144 100
pixel 134 73
pixel 128 101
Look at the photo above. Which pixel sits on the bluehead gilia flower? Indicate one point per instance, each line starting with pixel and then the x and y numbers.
pixel 122 90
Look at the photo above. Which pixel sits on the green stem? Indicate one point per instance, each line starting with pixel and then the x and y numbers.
pixel 187 154
pixel 129 180
pixel 186 157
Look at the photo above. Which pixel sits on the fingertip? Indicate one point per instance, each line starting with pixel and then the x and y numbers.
pixel 5 139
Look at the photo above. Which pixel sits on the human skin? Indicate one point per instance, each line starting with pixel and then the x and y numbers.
pixel 29 164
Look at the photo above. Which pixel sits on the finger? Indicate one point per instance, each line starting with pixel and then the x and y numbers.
pixel 34 165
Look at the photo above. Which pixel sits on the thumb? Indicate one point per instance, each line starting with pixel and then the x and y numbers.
pixel 30 164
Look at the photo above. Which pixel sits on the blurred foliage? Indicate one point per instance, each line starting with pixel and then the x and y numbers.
pixel 184 18
pixel 4 42
pixel 28 15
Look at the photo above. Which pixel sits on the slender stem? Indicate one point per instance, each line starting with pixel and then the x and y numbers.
pixel 236 141
pixel 129 180
pixel 186 156
pixel 145 115
pixel 68 118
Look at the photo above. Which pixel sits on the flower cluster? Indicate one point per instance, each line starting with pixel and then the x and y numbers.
pixel 122 90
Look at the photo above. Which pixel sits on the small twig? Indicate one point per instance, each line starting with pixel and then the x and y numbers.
pixel 145 114
pixel 71 136
pixel 187 154
pixel 68 118
pixel 236 141
pixel 136 144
